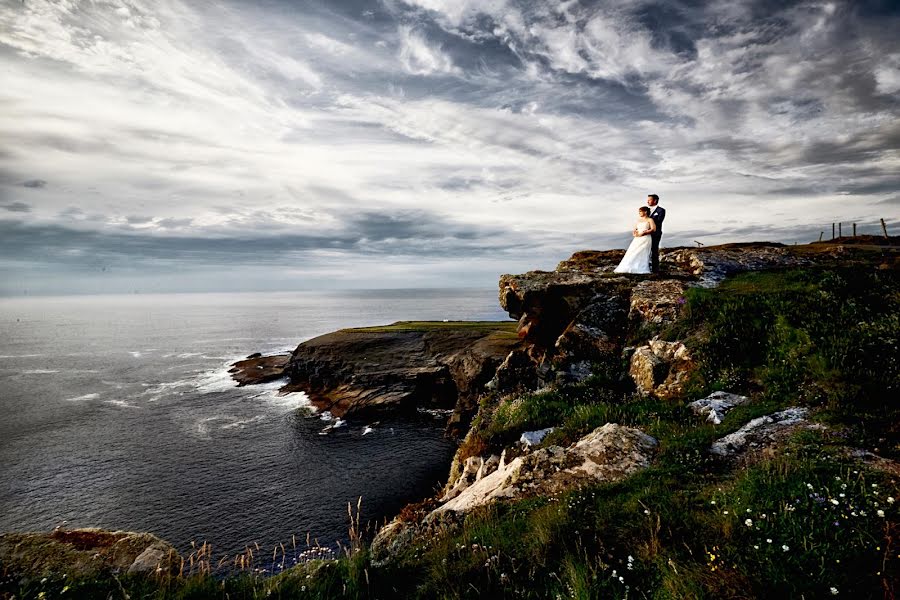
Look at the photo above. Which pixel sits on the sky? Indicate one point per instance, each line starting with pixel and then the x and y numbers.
pixel 223 145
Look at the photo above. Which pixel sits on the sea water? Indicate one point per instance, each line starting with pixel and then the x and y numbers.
pixel 118 412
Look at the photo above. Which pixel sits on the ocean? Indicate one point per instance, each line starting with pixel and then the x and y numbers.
pixel 118 412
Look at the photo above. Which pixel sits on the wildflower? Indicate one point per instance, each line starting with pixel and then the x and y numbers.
pixel 835 502
pixel 748 522
pixel 726 512
pixel 646 512
pixel 834 591
pixel 880 513
pixel 785 548
pixel 762 516
pixel 712 501
pixel 890 499
pixel 809 485
pixel 841 494
pixel 768 540
pixel 755 547
pixel 621 580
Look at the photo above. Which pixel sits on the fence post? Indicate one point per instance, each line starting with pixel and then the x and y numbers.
pixel 839 230
pixel 884 228
pixel 832 231
pixel 854 230
pixel 821 233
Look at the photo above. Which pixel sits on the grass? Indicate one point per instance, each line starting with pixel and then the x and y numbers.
pixel 803 522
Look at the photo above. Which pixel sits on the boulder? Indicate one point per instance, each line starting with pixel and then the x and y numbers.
pixel 762 432
pixel 716 405
pixel 609 453
pixel 657 301
pixel 661 368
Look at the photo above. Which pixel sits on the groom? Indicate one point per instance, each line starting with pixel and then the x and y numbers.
pixel 658 214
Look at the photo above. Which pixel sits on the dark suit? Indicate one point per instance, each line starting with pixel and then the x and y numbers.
pixel 658 214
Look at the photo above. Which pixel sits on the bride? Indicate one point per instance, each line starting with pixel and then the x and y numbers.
pixel 637 257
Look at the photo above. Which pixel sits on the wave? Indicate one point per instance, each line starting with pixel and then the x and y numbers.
pixel 83 398
pixel 135 354
pixel 38 371
pixel 21 355
pixel 121 403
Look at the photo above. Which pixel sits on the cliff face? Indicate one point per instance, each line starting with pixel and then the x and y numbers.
pixel 582 312
pixel 402 366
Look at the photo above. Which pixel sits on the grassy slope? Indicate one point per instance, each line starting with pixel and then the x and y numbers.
pixel 795 524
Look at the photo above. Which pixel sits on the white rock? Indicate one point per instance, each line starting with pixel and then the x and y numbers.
pixel 609 453
pixel 759 431
pixel 716 405
pixel 533 438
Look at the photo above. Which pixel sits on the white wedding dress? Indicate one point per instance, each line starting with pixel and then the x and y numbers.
pixel 637 257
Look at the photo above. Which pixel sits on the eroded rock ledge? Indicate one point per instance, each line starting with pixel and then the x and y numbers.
pixel 86 553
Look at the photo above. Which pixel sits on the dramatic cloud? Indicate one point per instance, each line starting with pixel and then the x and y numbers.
pixel 427 141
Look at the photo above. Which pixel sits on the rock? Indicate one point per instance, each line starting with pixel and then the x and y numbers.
pixel 595 335
pixel 657 301
pixel 517 372
pixel 257 368
pixel 85 553
pixel 716 405
pixel 609 453
pixel 712 264
pixel 151 558
pixel 402 366
pixel 661 368
pixel 533 438
pixel 761 432
pixel 474 469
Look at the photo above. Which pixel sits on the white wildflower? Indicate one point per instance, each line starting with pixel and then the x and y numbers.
pixel 748 522
pixel 880 513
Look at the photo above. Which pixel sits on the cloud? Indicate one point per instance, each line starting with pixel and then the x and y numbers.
pixel 419 57
pixel 220 132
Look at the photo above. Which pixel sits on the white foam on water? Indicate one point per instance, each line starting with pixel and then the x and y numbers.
pixel 241 423
pixel 189 354
pixel 83 398
pixel 21 355
pixel 120 403
pixel 368 429
pixel 135 354
pixel 38 371
pixel 326 415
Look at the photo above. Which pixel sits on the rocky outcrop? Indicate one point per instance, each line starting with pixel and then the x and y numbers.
pixel 257 368
pixel 712 264
pixel 715 406
pixel 402 366
pixel 86 553
pixel 761 433
pixel 661 368
pixel 609 453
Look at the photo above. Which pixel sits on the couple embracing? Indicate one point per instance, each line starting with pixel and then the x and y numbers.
pixel 642 255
